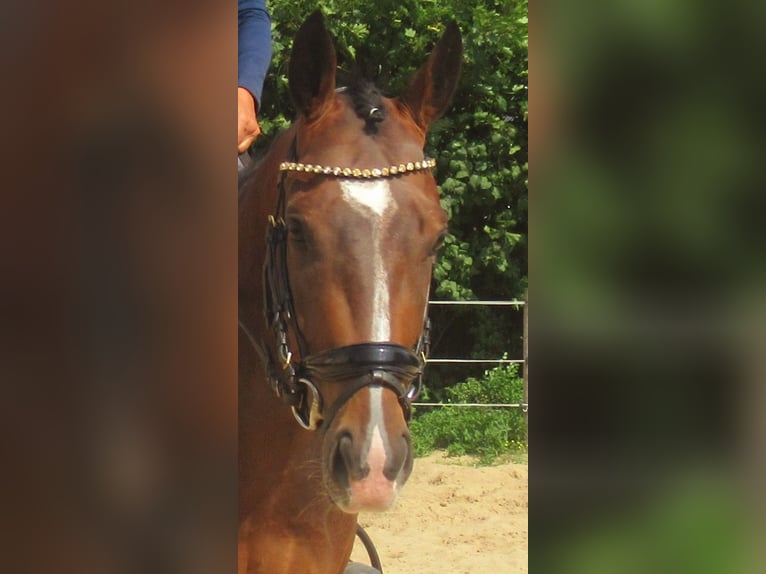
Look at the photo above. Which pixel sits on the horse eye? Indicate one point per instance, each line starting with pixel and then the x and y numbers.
pixel 439 242
pixel 295 229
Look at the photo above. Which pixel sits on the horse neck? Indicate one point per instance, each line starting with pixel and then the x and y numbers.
pixel 283 505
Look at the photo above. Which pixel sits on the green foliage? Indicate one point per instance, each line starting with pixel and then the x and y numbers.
pixel 481 144
pixel 480 431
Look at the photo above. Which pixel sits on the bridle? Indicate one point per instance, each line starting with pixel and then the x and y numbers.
pixel 362 365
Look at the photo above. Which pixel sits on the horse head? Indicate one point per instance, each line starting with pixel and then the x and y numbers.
pixel 354 234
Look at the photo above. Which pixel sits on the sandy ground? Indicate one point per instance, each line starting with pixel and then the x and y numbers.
pixel 453 518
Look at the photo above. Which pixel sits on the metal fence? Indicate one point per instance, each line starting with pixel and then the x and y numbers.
pixel 524 406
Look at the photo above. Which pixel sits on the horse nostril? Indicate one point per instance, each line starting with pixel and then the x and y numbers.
pixel 346 464
pixel 344 468
pixel 399 460
pixel 339 472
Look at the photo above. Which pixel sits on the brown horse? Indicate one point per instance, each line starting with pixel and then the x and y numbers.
pixel 338 229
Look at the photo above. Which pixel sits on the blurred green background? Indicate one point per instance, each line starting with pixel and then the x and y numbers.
pixel 647 266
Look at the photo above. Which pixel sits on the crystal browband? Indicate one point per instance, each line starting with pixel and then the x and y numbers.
pixel 377 172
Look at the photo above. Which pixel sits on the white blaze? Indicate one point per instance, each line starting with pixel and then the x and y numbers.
pixel 376 433
pixel 374 200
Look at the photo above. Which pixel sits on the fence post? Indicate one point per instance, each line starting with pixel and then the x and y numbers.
pixel 525 369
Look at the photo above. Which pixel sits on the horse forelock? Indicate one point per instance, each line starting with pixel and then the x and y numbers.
pixel 367 101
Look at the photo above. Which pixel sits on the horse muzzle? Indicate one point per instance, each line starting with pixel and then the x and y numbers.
pixel 366 450
pixel 361 412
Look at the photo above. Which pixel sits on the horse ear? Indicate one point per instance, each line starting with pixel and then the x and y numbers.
pixel 312 68
pixel 430 92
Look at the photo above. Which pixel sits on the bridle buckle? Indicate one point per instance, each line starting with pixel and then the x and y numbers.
pixel 286 359
pixel 309 415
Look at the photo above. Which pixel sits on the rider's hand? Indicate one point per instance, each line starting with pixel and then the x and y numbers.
pixel 247 122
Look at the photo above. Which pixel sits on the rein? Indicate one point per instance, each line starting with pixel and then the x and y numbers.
pixel 380 364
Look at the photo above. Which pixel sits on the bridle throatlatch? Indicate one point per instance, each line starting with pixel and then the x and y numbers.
pixel 355 366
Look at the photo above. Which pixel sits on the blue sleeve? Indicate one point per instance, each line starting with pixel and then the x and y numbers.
pixel 254 47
